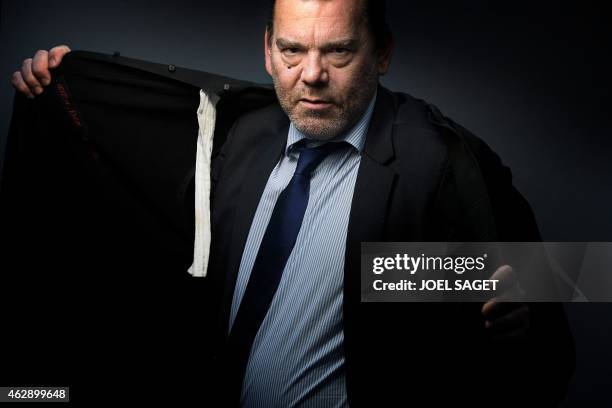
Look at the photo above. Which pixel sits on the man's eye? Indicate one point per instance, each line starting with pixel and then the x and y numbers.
pixel 340 51
pixel 291 51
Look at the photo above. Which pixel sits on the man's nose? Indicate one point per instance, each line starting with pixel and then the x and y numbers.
pixel 314 71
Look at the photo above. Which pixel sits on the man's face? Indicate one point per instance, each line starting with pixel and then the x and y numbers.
pixel 323 63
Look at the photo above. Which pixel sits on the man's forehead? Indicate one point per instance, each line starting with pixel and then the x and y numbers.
pixel 300 19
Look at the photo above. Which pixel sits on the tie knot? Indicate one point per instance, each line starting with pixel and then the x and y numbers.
pixel 310 157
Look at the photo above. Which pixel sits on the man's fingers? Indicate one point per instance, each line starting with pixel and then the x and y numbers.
pixel 506 277
pixel 508 285
pixel 40 67
pixel 35 74
pixel 56 54
pixel 497 307
pixel 20 85
pixel 28 77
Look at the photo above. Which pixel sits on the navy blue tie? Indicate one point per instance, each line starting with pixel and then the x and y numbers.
pixel 276 246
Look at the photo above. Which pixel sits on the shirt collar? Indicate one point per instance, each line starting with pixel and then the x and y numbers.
pixel 355 137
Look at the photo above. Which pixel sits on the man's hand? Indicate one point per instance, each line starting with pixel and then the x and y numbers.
pixel 506 319
pixel 34 73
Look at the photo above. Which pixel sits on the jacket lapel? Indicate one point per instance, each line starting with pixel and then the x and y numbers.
pixel 262 162
pixel 374 180
pixel 373 188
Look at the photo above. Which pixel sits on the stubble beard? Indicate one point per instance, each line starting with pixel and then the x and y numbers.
pixel 330 123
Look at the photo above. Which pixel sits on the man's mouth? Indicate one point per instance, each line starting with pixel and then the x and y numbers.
pixel 315 103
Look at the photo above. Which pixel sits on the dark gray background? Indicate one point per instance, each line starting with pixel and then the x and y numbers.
pixel 531 79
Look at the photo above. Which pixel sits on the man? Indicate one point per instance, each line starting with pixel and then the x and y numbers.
pixel 298 187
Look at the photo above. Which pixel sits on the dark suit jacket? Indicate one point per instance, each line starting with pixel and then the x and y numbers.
pixel 406 190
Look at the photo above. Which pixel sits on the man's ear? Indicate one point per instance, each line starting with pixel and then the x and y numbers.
pixel 384 55
pixel 267 52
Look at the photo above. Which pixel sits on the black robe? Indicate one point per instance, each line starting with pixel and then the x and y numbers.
pixel 96 206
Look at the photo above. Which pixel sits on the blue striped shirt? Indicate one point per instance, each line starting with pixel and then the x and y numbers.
pixel 297 357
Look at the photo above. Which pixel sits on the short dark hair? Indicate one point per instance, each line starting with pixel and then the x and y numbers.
pixel 376 16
